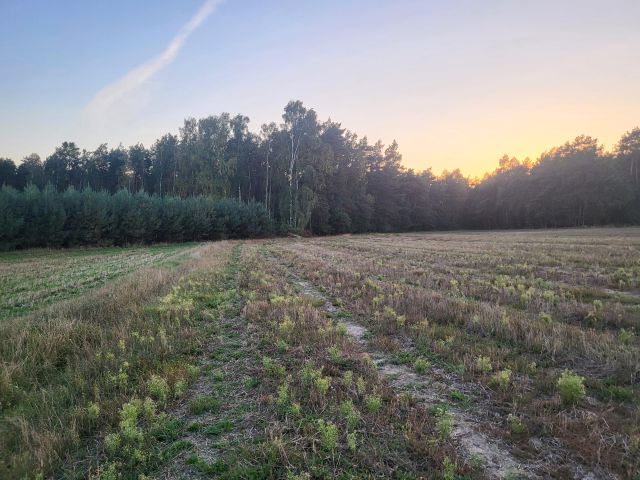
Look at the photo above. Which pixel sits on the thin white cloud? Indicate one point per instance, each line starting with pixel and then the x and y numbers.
pixel 112 93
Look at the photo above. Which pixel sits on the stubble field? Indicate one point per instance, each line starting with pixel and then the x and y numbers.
pixel 435 355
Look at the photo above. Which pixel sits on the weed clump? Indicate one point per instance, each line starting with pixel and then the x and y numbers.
pixel 502 379
pixel 515 424
pixel 202 404
pixel 322 385
pixel 361 385
pixel 93 410
pixel 626 336
pixel 329 434
pixel 271 367
pixel 373 403
pixel 483 364
pixel 571 387
pixel 350 413
pixel 158 388
pixel 444 422
pixel 347 379
pixel 421 366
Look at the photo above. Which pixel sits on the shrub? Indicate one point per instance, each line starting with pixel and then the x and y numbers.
pixel 148 408
pixel 129 420
pixel 295 409
pixel 282 346
pixel 571 387
pixel 193 371
pixel 286 326
pixel 334 354
pixel 341 329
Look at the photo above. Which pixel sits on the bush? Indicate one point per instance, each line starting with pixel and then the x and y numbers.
pixel 571 387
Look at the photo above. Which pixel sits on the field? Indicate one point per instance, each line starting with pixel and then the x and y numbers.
pixel 423 355
pixel 36 278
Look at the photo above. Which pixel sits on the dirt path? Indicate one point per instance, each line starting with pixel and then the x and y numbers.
pixel 545 457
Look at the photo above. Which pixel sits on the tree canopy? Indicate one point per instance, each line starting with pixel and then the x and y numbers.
pixel 301 175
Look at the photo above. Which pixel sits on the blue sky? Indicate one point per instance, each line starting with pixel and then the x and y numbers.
pixel 457 83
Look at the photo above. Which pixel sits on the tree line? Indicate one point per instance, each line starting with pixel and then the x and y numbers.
pixel 307 175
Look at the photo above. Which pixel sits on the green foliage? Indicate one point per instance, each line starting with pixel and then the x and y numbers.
pixel 283 396
pixel 329 434
pixel 203 403
pixel 93 410
pixel 206 182
pixel 272 368
pixel 373 403
pixel 47 218
pixel 444 422
pixel 322 385
pixel 421 366
pixel 502 379
pixel 448 469
pixel 158 388
pixel 515 424
pixel 483 364
pixel 626 336
pixel 223 426
pixel 350 414
pixel 571 387
pixel 352 441
pixel 347 378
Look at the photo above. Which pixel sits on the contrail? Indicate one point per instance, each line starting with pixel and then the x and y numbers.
pixel 110 94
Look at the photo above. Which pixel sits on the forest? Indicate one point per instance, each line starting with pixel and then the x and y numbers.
pixel 217 179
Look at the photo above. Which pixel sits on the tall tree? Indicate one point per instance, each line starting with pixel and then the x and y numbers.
pixel 7 172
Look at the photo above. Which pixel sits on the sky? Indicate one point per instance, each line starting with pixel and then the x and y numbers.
pixel 456 83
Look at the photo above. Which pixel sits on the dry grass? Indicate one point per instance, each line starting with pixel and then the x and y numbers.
pixel 425 338
pixel 533 303
pixel 98 349
pixel 36 278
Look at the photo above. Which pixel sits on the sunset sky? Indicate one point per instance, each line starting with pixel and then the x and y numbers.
pixel 456 83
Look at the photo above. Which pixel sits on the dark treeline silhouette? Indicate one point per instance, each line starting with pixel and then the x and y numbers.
pixel 217 179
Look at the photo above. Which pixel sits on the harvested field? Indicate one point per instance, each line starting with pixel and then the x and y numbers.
pixel 435 355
